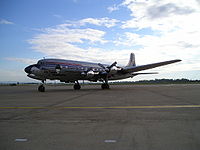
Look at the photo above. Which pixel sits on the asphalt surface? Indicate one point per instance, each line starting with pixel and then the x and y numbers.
pixel 137 117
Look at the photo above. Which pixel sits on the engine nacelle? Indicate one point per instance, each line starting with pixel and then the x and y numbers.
pixel 114 70
pixel 90 74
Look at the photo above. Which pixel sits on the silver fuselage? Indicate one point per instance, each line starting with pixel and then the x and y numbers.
pixel 70 71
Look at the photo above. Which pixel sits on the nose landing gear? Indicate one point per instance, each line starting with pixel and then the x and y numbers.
pixel 41 88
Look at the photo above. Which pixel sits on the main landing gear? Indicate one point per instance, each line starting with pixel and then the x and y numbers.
pixel 77 86
pixel 105 86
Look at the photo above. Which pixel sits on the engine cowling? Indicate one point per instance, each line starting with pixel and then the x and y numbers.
pixel 90 74
pixel 114 70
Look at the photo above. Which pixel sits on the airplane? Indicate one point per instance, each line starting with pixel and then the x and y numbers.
pixel 70 71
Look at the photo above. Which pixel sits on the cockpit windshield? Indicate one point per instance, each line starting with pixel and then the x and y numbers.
pixel 40 62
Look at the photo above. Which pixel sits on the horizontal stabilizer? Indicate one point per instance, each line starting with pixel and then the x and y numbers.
pixel 148 66
pixel 135 74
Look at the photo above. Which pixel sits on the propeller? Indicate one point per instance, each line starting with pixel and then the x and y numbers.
pixel 108 68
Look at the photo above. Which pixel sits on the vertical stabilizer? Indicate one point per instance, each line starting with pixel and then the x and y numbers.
pixel 131 60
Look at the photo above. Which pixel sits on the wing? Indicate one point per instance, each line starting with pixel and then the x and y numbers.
pixel 148 66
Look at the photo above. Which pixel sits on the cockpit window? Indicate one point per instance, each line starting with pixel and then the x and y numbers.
pixel 40 63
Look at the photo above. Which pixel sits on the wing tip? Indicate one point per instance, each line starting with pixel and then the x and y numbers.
pixel 177 60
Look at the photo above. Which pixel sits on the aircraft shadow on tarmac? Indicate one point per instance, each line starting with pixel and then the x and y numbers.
pixel 55 89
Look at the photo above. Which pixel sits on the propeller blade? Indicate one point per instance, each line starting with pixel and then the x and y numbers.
pixel 107 69
pixel 113 64
pixel 102 66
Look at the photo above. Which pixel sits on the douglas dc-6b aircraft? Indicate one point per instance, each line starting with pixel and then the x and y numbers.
pixel 71 71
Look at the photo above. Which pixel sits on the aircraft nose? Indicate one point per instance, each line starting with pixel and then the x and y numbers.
pixel 28 69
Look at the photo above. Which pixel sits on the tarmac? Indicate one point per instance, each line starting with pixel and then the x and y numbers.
pixel 125 117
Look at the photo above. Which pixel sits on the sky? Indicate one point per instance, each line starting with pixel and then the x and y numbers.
pixel 101 31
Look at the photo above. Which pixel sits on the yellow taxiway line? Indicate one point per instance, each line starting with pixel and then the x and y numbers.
pixel 107 107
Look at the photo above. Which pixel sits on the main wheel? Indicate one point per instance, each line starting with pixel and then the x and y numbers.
pixel 105 86
pixel 77 87
pixel 41 88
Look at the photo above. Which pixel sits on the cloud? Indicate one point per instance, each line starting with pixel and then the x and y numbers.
pixel 10 75
pixel 171 45
pixel 106 22
pixel 165 15
pixel 79 44
pixel 170 30
pixel 22 60
pixel 57 16
pixel 3 21
pixel 167 40
pixel 62 36
pixel 166 10
pixel 113 8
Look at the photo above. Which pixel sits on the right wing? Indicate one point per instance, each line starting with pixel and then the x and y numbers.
pixel 148 66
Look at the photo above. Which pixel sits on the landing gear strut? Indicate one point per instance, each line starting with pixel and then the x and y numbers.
pixel 105 85
pixel 77 86
pixel 41 88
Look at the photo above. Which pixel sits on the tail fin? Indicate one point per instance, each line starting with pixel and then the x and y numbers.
pixel 131 60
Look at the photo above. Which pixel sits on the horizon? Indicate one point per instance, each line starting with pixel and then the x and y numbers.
pixel 86 82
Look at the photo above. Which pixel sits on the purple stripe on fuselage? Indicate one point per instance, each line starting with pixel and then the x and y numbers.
pixel 60 63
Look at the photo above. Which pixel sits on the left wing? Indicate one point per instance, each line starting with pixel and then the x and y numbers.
pixel 130 69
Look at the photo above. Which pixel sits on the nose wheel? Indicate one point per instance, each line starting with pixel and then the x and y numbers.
pixel 41 88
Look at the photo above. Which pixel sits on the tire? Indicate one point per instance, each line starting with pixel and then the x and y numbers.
pixel 105 86
pixel 41 88
pixel 77 87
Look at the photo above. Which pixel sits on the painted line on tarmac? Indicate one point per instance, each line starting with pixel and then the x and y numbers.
pixel 21 140
pixel 108 107
pixel 110 141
